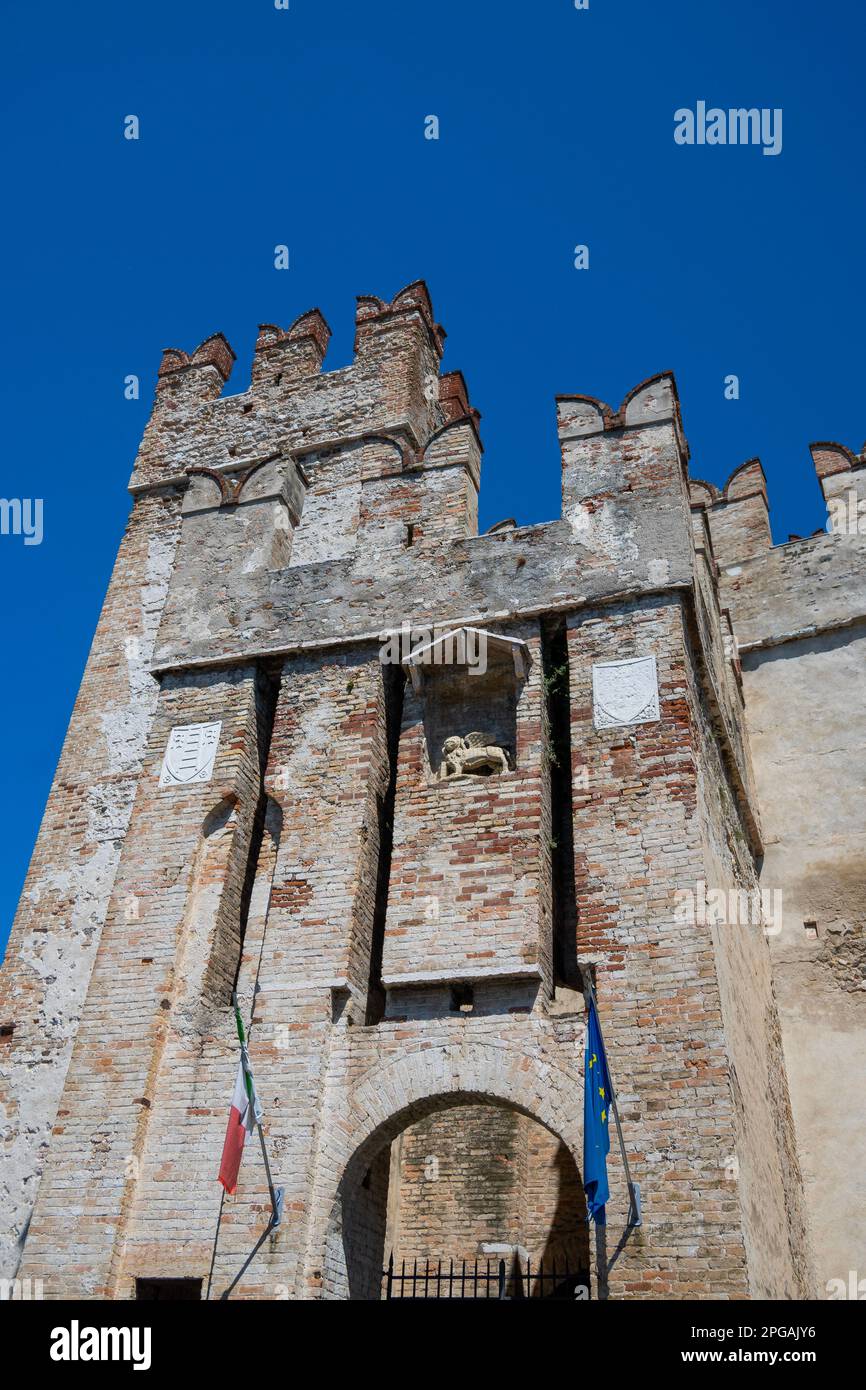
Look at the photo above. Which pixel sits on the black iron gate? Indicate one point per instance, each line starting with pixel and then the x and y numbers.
pixel 506 1279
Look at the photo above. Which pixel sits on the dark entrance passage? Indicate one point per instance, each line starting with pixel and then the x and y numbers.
pixel 474 1199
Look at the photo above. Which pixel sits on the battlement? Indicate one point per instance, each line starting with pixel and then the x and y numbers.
pixel 371 474
pixel 842 475
pixel 606 453
pixel 411 305
pixel 200 374
pixel 393 386
pixel 804 586
pixel 831 459
pixel 378 508
pixel 650 402
pixel 738 516
pixel 290 354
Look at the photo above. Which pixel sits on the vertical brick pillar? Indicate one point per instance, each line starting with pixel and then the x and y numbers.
pixel 127 1126
pixel 57 927
pixel 328 768
pixel 638 836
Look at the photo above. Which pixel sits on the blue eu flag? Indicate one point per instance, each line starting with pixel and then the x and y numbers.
pixel 596 1116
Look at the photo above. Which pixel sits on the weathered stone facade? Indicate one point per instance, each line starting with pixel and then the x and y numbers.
pixel 409 936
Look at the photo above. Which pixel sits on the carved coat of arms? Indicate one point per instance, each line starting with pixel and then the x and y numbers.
pixel 190 755
pixel 625 692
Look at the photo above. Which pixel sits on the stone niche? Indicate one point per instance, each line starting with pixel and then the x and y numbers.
pixel 469 891
pixel 468 682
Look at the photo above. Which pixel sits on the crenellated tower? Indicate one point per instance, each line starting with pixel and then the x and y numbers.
pixel 406 788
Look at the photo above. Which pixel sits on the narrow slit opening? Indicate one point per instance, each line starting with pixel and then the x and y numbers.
pixel 268 688
pixel 394 679
pixel 554 655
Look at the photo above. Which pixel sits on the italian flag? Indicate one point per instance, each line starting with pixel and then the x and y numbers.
pixel 244 1115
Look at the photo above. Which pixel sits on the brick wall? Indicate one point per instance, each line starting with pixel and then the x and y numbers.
pixel 479 1175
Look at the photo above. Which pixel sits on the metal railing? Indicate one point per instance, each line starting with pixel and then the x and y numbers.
pixel 506 1279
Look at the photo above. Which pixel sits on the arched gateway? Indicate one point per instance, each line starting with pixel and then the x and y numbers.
pixel 476 1164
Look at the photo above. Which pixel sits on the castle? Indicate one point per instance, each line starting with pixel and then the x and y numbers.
pixel 410 868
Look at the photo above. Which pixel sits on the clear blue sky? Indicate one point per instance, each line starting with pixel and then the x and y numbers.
pixel 305 127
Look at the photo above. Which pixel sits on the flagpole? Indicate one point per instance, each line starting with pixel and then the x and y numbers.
pixel 634 1207
pixel 276 1193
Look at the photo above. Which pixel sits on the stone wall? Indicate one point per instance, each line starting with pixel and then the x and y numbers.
pixel 143 1108
pixel 56 932
pixel 813 787
pixel 797 619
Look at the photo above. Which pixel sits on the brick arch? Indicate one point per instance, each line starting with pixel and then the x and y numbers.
pixel 400 1093
pixel 394 1095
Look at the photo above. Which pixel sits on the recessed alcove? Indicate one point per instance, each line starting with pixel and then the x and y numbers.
pixel 469 682
pixel 469 895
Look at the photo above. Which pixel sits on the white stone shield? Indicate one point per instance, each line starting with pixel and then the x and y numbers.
pixel 625 692
pixel 190 755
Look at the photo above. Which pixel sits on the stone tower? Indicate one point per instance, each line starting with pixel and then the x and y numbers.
pixel 403 787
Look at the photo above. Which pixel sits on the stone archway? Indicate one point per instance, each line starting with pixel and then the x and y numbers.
pixel 355 1161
